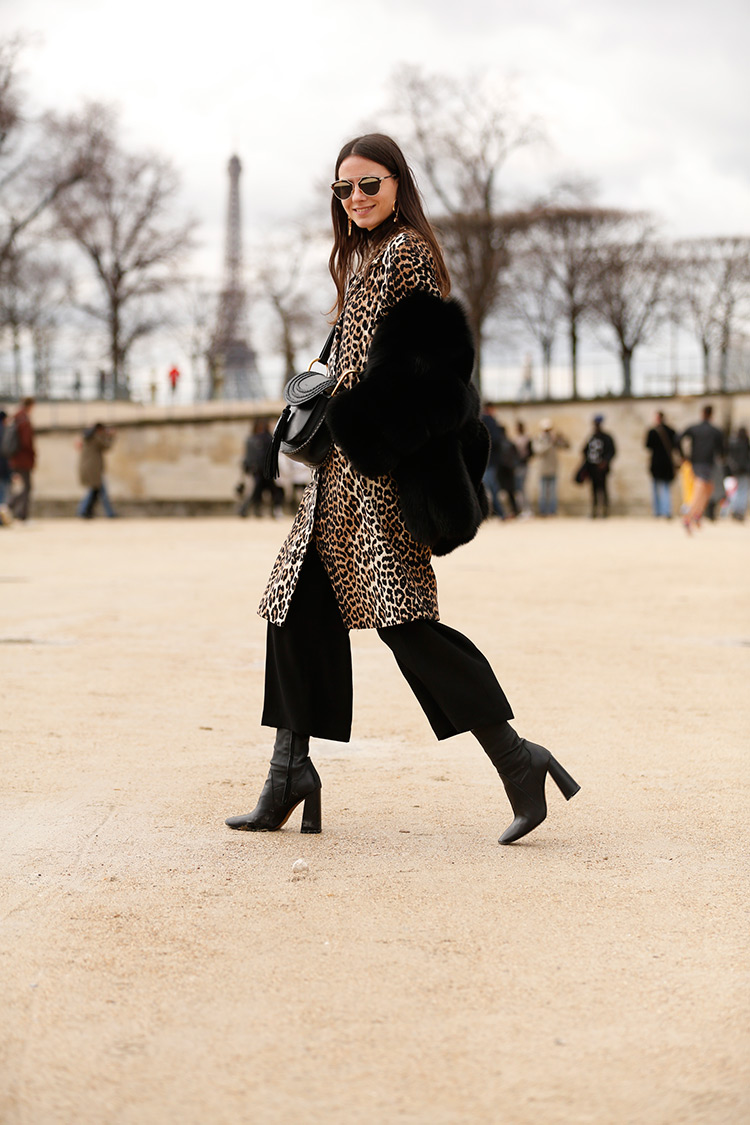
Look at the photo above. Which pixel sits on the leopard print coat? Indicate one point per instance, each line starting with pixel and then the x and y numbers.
pixel 380 575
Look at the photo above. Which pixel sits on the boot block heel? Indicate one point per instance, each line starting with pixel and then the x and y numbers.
pixel 311 813
pixel 562 779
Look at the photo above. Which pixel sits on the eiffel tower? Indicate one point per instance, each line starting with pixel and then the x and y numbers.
pixel 232 364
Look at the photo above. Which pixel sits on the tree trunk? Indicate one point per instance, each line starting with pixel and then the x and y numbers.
pixel 706 353
pixel 290 358
pixel 626 357
pixel 114 345
pixel 17 365
pixel 546 367
pixel 40 339
pixel 117 353
pixel 573 360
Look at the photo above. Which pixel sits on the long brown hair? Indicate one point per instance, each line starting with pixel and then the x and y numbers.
pixel 350 251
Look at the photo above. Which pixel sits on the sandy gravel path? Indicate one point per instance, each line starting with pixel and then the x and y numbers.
pixel 156 967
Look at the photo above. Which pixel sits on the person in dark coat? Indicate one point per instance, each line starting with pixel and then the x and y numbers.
pixel 661 440
pixel 598 453
pixel 22 462
pixel 402 482
pixel 507 462
pixel 254 464
pixel 490 479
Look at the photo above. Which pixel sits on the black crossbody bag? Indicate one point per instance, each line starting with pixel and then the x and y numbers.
pixel 301 432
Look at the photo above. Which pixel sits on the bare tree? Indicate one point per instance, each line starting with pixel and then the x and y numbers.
pixel 122 218
pixel 281 278
pixel 630 287
pixel 567 242
pixel 40 158
pixel 462 134
pixel 36 287
pixel 191 325
pixel 534 301
pixel 711 282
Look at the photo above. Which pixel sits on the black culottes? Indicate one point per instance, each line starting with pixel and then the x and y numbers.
pixel 309 668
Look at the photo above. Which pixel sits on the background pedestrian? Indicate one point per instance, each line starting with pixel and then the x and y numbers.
pixel 254 464
pixel 706 447
pixel 524 451
pixel 5 514
pixel 22 462
pixel 661 440
pixel 598 453
pixel 97 439
pixel 739 466
pixel 545 450
pixel 491 480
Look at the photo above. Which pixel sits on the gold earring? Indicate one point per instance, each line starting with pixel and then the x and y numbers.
pixel 350 227
pixel 395 210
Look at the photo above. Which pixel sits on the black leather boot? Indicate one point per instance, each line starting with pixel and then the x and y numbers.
pixel 523 767
pixel 291 779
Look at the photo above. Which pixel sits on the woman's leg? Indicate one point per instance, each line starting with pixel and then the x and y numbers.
pixel 594 492
pixel 106 502
pixel 291 779
pixel 308 661
pixel 605 494
pixel 489 480
pixel 308 692
pixel 458 691
pixel 552 496
pixel 89 504
pixel 452 680
pixel 666 499
pixel 83 505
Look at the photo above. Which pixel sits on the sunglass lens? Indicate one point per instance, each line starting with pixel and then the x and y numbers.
pixel 342 189
pixel 370 185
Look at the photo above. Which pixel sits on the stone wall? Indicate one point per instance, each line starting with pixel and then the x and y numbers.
pixel 185 460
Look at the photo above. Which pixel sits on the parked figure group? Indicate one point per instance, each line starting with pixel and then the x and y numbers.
pixel 97 439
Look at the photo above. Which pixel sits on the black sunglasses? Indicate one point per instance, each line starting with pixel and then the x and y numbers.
pixel 370 185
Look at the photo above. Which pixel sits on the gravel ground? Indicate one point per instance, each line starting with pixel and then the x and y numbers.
pixel 157 967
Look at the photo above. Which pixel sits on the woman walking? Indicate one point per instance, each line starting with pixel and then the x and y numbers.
pixel 402 482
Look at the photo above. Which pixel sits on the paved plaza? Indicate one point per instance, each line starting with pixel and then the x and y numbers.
pixel 158 968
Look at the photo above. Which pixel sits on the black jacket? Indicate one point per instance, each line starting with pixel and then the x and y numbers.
pixel 707 443
pixel 415 414
pixel 662 441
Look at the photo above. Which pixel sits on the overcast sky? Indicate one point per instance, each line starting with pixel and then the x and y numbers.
pixel 648 97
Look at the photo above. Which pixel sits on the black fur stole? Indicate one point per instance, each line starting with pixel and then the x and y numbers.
pixel 415 414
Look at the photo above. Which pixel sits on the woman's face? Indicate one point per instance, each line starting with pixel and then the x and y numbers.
pixel 367 211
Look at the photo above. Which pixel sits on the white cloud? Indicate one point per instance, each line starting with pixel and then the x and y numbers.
pixel 631 96
pixel 649 99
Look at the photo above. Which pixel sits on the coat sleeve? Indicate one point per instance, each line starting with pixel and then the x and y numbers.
pixel 415 386
pixel 408 267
